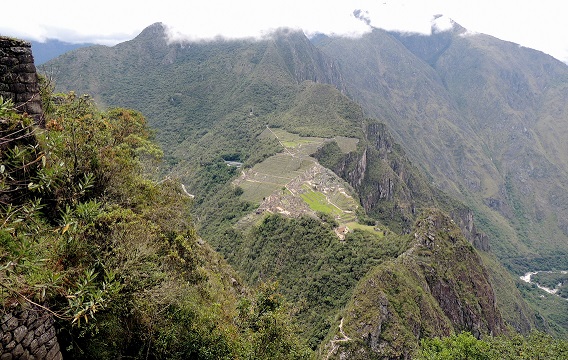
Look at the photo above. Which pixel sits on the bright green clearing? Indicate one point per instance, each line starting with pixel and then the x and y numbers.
pixel 272 174
pixel 355 225
pixel 318 202
pixel 346 144
pixel 308 145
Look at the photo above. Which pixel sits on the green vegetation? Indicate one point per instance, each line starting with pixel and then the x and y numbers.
pixel 318 202
pixel 440 96
pixel 464 346
pixel 369 228
pixel 315 270
pixel 249 101
pixel 272 174
pixel 112 253
pixel 427 291
pixel 516 311
pixel 552 310
pixel 551 280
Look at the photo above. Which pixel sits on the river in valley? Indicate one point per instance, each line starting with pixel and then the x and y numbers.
pixel 527 278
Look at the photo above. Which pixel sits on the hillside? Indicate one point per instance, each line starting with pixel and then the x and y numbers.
pixel 424 292
pixel 51 48
pixel 89 241
pixel 487 129
pixel 483 118
pixel 266 137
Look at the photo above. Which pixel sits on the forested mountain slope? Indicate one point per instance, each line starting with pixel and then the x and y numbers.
pixel 88 238
pixel 425 292
pixel 484 118
pixel 246 124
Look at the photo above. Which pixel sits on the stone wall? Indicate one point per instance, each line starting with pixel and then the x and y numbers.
pixel 28 333
pixel 18 77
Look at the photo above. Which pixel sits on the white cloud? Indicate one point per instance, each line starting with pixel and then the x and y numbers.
pixel 442 23
pixel 536 24
pixel 255 19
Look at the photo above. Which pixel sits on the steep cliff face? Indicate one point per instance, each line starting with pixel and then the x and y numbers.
pixel 438 286
pixel 304 61
pixel 485 119
pixel 389 186
pixel 455 275
pixel 464 218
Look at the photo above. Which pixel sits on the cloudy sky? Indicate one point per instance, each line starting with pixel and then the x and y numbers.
pixel 538 24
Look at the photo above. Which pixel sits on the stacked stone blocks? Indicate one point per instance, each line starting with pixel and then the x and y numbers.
pixel 18 77
pixel 26 331
pixel 28 334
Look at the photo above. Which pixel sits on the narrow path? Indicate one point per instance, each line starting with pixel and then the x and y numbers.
pixel 334 343
pixel 277 138
pixel 329 201
pixel 185 191
pixel 263 182
pixel 275 176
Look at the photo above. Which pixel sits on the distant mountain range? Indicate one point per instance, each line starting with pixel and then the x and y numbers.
pixel 467 123
pixel 52 48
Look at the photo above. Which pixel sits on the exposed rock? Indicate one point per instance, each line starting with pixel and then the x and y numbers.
pixel 18 77
pixel 27 333
pixel 465 220
pixel 439 285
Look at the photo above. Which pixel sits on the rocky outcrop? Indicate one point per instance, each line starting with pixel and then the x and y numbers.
pixel 464 218
pixel 304 61
pixel 28 333
pixel 18 77
pixel 438 286
pixel 389 186
pixel 456 275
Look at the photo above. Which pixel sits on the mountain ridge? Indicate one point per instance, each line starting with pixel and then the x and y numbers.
pixel 231 91
pixel 461 146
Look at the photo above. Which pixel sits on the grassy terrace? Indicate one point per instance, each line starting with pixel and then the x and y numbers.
pixel 272 174
pixel 278 172
pixel 319 203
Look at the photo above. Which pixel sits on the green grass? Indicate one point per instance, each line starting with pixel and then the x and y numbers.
pixel 272 174
pixel 299 145
pixel 346 144
pixel 318 202
pixel 343 201
pixel 283 165
pixel 290 144
pixel 355 225
pixel 256 192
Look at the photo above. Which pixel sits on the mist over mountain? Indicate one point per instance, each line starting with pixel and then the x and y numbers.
pixel 462 122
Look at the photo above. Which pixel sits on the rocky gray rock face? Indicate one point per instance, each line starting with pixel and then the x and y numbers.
pixel 28 333
pixel 18 77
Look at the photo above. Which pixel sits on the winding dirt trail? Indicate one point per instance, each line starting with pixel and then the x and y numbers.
pixel 334 343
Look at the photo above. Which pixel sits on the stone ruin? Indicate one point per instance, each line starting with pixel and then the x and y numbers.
pixel 18 77
pixel 28 333
pixel 26 330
